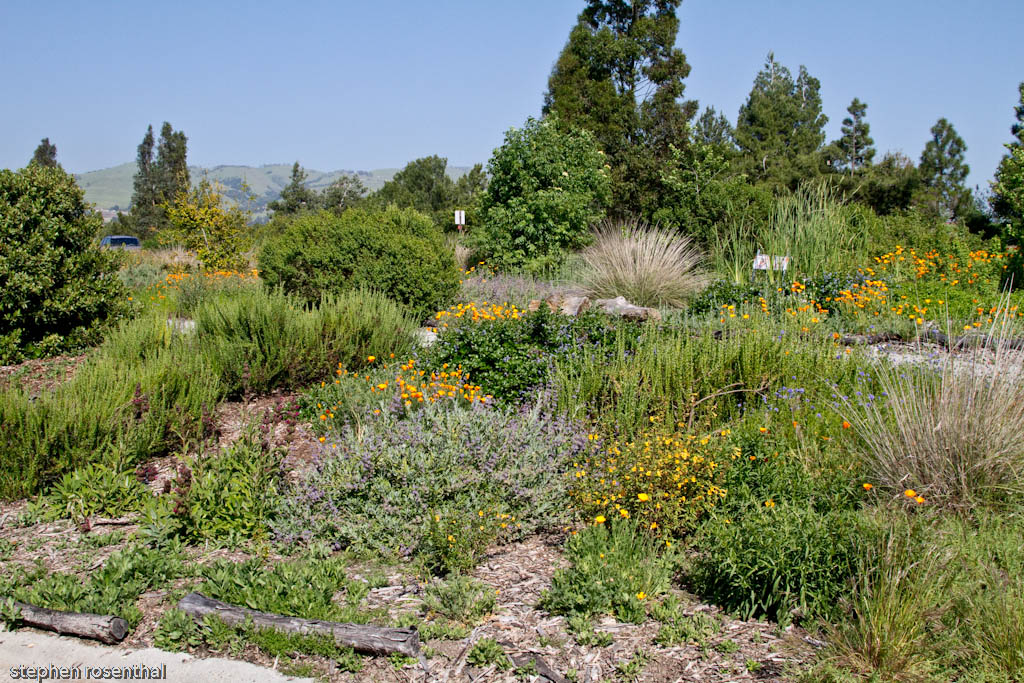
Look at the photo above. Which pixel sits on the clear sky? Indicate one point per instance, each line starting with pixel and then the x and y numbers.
pixel 363 85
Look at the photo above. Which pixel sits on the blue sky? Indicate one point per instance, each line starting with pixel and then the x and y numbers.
pixel 368 85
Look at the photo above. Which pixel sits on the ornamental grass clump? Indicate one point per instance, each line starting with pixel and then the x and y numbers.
pixel 647 265
pixel 952 431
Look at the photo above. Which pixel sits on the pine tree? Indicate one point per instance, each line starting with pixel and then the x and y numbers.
pixel 295 196
pixel 158 181
pixel 713 128
pixel 780 129
pixel 620 77
pixel 1018 127
pixel 45 154
pixel 855 148
pixel 943 172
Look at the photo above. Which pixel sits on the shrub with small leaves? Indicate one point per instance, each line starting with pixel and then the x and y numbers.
pixel 487 652
pixel 616 569
pixel 460 598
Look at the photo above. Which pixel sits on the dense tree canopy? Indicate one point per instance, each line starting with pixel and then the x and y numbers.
pixel 158 180
pixel 943 172
pixel 620 76
pixel 45 154
pixel 780 129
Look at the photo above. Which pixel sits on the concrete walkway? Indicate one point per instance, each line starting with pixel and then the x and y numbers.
pixel 63 658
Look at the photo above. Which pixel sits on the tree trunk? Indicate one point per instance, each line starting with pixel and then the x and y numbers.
pixel 373 640
pixel 106 629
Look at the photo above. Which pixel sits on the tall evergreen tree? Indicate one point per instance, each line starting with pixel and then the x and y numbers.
pixel 158 180
pixel 713 128
pixel 1002 205
pixel 943 172
pixel 145 210
pixel 295 196
pixel 780 129
pixel 45 154
pixel 1018 127
pixel 620 76
pixel 856 147
pixel 171 167
pixel 423 185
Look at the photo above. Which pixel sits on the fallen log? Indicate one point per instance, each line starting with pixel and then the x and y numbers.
pixel 104 628
pixel 373 640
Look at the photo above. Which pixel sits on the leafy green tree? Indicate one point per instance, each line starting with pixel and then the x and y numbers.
pixel 856 147
pixel 620 76
pixel 703 192
pixel 202 222
pixel 45 154
pixel 346 192
pixel 943 172
pixel 780 129
pixel 57 288
pixel 423 185
pixel 1009 187
pixel 295 196
pixel 1002 207
pixel 547 187
pixel 888 186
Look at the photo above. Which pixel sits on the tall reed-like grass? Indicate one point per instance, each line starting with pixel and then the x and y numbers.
pixel 647 265
pixel 810 226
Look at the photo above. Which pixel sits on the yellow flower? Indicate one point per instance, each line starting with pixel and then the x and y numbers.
pixel 599 519
pixel 641 595
pixel 370 359
pixel 867 487
pixel 643 497
pixel 769 503
pixel 910 493
pixel 919 500
pixel 624 512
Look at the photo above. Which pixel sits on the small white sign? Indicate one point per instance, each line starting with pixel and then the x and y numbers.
pixel 460 217
pixel 768 262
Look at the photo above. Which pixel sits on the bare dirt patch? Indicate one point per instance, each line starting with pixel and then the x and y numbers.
pixel 38 376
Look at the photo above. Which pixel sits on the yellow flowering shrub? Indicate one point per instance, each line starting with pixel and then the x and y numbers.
pixel 665 482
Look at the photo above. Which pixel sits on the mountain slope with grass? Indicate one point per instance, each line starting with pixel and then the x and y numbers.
pixel 111 188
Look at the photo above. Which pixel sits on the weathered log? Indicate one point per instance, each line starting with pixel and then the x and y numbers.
pixel 104 628
pixel 373 640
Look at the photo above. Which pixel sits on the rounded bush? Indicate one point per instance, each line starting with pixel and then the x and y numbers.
pixel 57 288
pixel 398 252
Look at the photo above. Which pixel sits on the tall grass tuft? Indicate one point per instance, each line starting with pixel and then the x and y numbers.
pixel 900 592
pixel 647 265
pixel 954 432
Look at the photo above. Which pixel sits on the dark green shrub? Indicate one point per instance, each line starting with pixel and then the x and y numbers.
pixel 548 185
pixel 508 358
pixel 773 558
pixel 396 251
pixel 57 288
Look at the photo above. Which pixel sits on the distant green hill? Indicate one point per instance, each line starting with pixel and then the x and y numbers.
pixel 111 188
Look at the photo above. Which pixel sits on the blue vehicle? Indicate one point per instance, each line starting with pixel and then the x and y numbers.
pixel 120 242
